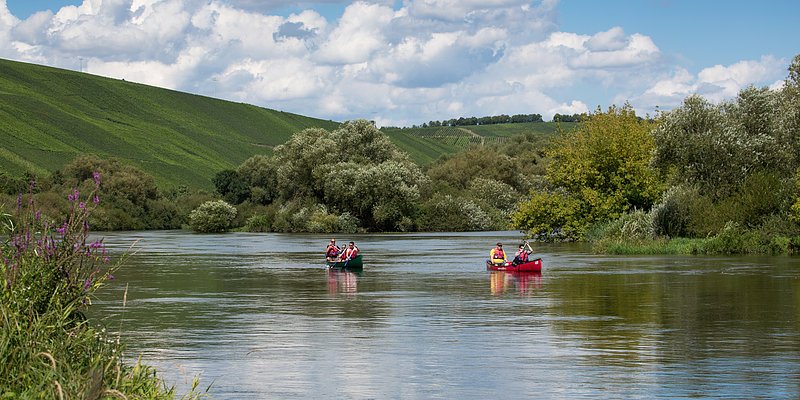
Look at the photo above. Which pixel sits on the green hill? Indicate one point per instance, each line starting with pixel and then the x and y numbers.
pixel 48 116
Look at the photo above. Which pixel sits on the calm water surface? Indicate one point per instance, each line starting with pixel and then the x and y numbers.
pixel 260 317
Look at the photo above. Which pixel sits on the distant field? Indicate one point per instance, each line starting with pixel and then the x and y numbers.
pixel 49 116
pixel 425 145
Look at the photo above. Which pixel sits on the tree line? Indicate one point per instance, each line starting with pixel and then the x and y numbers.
pixel 726 174
pixel 347 180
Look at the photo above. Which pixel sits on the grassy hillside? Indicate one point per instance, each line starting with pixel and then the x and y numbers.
pixel 48 116
pixel 427 144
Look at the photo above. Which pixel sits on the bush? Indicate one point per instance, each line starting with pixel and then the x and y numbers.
pixel 164 214
pixel 449 213
pixel 499 195
pixel 212 216
pixel 258 223
pixel 320 221
pixel 672 216
pixel 347 223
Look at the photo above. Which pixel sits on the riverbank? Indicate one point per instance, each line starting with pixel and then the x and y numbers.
pixel 724 243
pixel 49 348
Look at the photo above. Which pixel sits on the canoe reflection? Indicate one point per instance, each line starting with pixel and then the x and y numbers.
pixel 525 282
pixel 342 282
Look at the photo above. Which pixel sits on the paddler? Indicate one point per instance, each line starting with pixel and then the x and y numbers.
pixel 497 256
pixel 332 251
pixel 350 252
pixel 522 254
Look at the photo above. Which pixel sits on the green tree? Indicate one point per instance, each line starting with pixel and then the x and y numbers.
pixel 716 147
pixel 212 216
pixel 354 169
pixel 596 173
pixel 260 174
pixel 230 185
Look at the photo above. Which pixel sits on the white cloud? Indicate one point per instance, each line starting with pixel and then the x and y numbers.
pixel 715 83
pixel 395 63
pixel 358 35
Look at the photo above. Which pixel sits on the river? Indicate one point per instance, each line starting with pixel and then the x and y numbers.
pixel 259 316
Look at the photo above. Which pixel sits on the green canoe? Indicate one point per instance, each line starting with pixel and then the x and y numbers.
pixel 355 263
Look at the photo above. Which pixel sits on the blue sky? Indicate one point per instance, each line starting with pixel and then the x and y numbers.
pixel 407 62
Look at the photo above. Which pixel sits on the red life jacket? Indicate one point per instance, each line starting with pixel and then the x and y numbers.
pixel 351 253
pixel 332 251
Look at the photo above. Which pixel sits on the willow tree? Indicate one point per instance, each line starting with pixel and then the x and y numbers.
pixel 355 169
pixel 596 173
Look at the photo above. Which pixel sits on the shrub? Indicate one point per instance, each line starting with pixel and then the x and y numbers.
pixel 449 213
pixel 320 221
pixel 212 216
pixel 164 214
pixel 671 217
pixel 347 223
pixel 499 195
pixel 258 223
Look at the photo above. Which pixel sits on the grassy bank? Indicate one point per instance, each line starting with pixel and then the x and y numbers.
pixel 48 348
pixel 742 243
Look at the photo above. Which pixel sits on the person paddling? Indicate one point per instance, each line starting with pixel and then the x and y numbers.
pixel 332 251
pixel 522 254
pixel 350 252
pixel 497 256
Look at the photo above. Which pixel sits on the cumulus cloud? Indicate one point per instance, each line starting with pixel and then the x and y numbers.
pixel 715 83
pixel 398 63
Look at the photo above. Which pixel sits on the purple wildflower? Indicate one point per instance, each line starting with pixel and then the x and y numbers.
pixel 82 205
pixel 96 177
pixel 87 284
pixel 96 199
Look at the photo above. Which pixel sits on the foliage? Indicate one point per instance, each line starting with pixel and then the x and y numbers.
pixel 212 216
pixel 552 216
pixel 48 277
pixel 461 169
pixel 258 223
pixel 498 195
pixel 260 174
pixel 230 185
pixel 354 169
pixel 449 213
pixel 716 147
pixel 599 171
pixel 672 216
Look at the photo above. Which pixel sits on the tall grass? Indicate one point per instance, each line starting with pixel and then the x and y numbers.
pixel 48 275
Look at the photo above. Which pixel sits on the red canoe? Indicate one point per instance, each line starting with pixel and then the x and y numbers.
pixel 534 265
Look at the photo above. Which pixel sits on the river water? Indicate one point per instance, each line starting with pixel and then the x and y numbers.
pixel 258 316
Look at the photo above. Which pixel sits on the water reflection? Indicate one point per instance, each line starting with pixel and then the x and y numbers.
pixel 342 282
pixel 523 282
